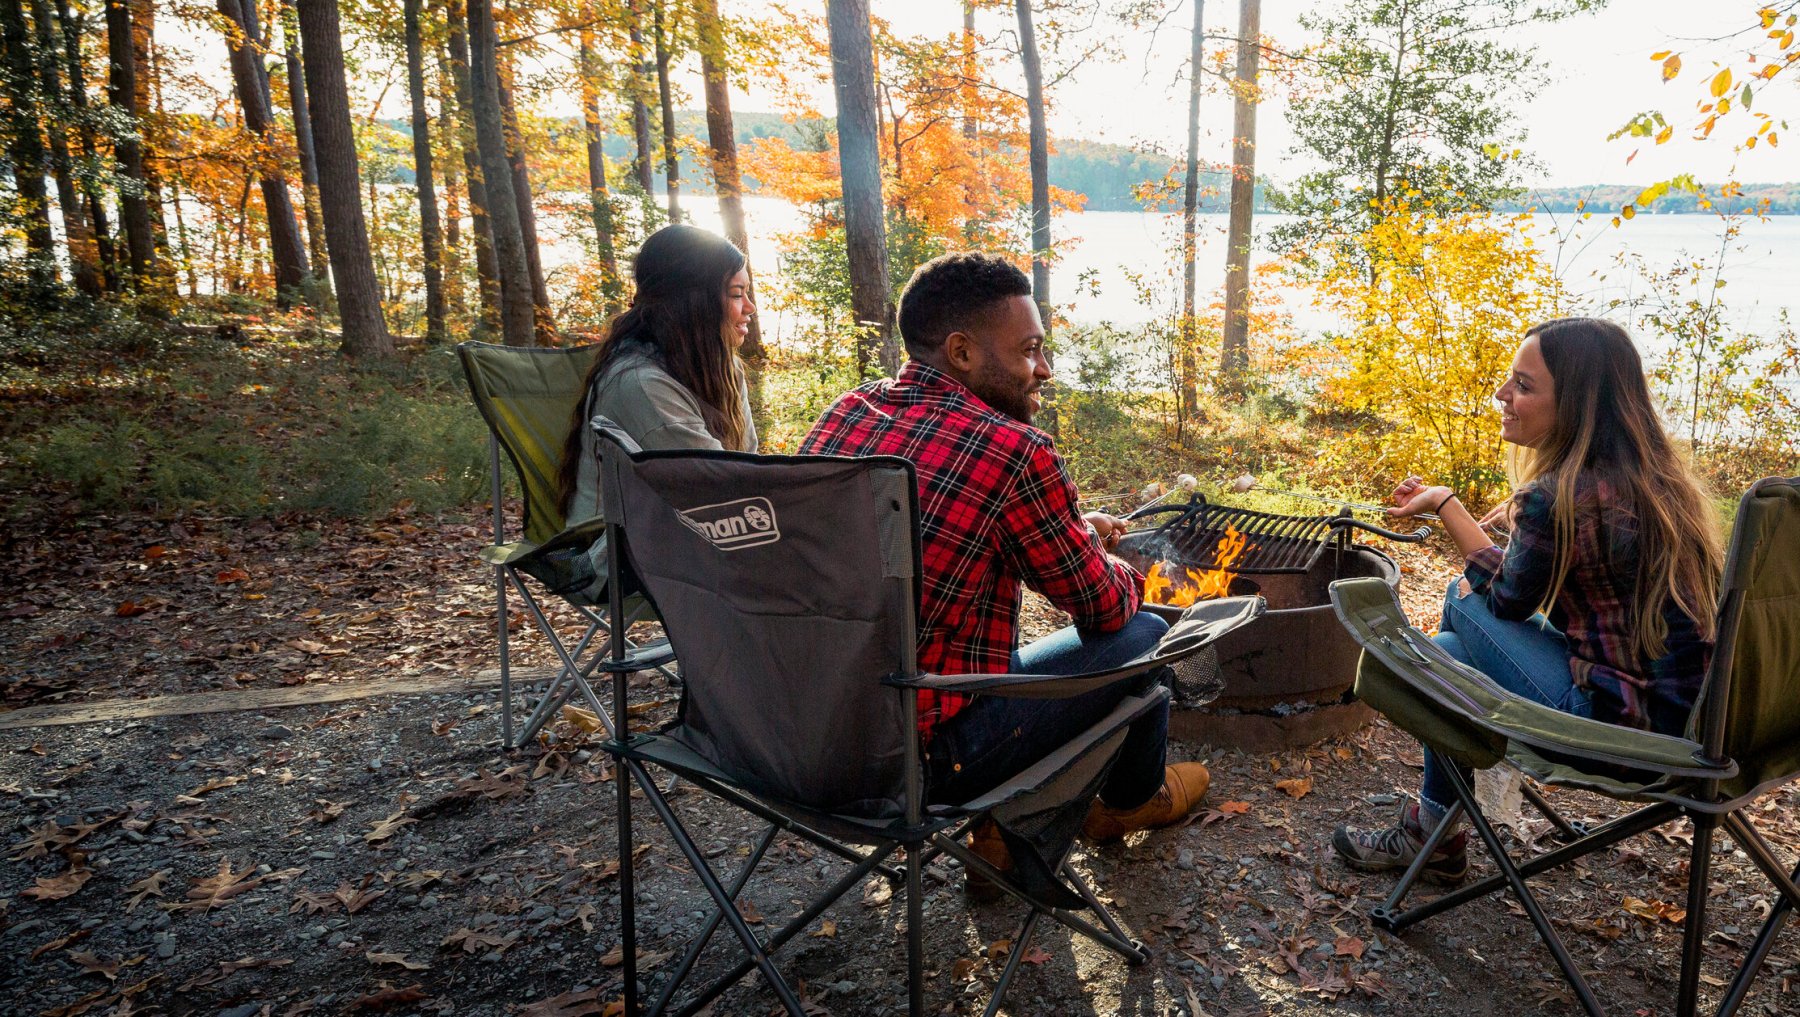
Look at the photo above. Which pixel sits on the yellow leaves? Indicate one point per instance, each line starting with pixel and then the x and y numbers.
pixel 1628 212
pixel 1655 910
pixel 1671 67
pixel 1721 82
pixel 1665 134
pixel 1768 16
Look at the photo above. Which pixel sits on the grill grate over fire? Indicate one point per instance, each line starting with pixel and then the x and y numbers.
pixel 1204 538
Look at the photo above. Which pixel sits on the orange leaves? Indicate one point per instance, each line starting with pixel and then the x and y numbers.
pixel 1295 787
pixel 231 575
pixel 1654 910
pixel 1671 66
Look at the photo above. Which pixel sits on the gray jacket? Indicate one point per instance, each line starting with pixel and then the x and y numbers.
pixel 656 410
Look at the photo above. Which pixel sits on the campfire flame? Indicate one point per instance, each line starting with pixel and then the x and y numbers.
pixel 1163 586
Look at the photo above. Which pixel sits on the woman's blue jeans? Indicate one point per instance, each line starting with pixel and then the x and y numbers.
pixel 995 737
pixel 1528 658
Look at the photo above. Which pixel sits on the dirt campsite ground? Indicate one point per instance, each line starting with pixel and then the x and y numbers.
pixel 255 769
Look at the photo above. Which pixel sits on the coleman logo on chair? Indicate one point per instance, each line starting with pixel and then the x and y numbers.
pixel 732 525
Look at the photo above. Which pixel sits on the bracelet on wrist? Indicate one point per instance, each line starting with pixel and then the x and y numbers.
pixel 1445 501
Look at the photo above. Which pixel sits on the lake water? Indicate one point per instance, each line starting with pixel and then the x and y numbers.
pixel 1121 267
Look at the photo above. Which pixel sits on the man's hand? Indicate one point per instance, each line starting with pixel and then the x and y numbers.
pixel 1108 528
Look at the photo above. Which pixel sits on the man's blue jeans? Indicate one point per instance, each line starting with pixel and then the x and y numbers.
pixel 1528 658
pixel 994 737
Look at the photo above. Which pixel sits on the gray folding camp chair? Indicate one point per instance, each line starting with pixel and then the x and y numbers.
pixel 1742 739
pixel 789 585
pixel 527 395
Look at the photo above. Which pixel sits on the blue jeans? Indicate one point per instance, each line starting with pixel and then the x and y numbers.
pixel 994 737
pixel 1527 658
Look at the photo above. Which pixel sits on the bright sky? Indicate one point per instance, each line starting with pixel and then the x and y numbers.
pixel 1598 68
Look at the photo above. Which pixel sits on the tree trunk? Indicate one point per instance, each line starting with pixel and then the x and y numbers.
pixel 521 190
pixel 859 159
pixel 25 146
pixel 1039 159
pixel 721 136
pixel 599 200
pixel 1234 354
pixel 642 166
pixel 285 247
pixel 121 89
pixel 969 70
pixel 90 147
pixel 447 140
pixel 671 151
pixel 84 255
pixel 149 93
pixel 487 275
pixel 346 233
pixel 430 231
pixel 1190 216
pixel 309 163
pixel 517 313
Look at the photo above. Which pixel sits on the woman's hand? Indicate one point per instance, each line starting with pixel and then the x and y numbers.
pixel 1414 496
pixel 1108 528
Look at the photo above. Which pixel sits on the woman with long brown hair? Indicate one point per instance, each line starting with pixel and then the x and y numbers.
pixel 668 370
pixel 1601 604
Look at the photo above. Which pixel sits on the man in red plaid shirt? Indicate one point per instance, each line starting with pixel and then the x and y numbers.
pixel 997 509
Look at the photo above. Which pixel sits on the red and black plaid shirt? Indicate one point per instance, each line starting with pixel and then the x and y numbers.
pixel 996 507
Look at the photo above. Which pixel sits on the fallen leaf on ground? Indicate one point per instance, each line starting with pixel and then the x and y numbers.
pixel 395 958
pixel 59 942
pixel 355 899
pixel 1349 946
pixel 645 958
pixel 569 1004
pixel 388 827
pixel 215 890
pixel 472 941
pixel 1234 808
pixel 231 576
pixel 1655 909
pixel 149 886
pixel 747 908
pixel 327 811
pixel 58 887
pixel 1296 787
pixel 827 930
pixel 1034 955
pixel 387 996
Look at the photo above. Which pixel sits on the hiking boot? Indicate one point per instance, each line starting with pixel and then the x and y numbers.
pixel 1397 846
pixel 985 841
pixel 1184 784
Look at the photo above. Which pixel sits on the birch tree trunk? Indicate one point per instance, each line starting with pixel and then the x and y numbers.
pixel 1039 159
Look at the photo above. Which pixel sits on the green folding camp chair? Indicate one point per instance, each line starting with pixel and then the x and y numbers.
pixel 527 395
pixel 1742 739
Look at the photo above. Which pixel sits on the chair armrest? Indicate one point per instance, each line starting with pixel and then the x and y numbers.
pixel 646 657
pixel 1197 628
pixel 1460 696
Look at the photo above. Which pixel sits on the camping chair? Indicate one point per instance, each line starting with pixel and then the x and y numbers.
pixel 789 585
pixel 526 396
pixel 1742 739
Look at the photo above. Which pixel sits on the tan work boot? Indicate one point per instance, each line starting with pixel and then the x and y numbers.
pixel 1184 784
pixel 985 841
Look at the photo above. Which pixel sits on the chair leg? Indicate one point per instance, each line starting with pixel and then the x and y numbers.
pixel 627 887
pixel 1136 952
pixel 789 931
pixel 1566 831
pixel 915 930
pixel 679 834
pixel 1386 917
pixel 712 924
pixel 1629 825
pixel 1021 943
pixel 1693 938
pixel 506 725
pixel 1771 927
pixel 1526 898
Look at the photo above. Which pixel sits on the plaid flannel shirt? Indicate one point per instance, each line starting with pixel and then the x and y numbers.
pixel 1594 609
pixel 996 507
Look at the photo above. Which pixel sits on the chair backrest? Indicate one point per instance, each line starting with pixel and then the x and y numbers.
pixel 787 586
pixel 527 395
pixel 1751 708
